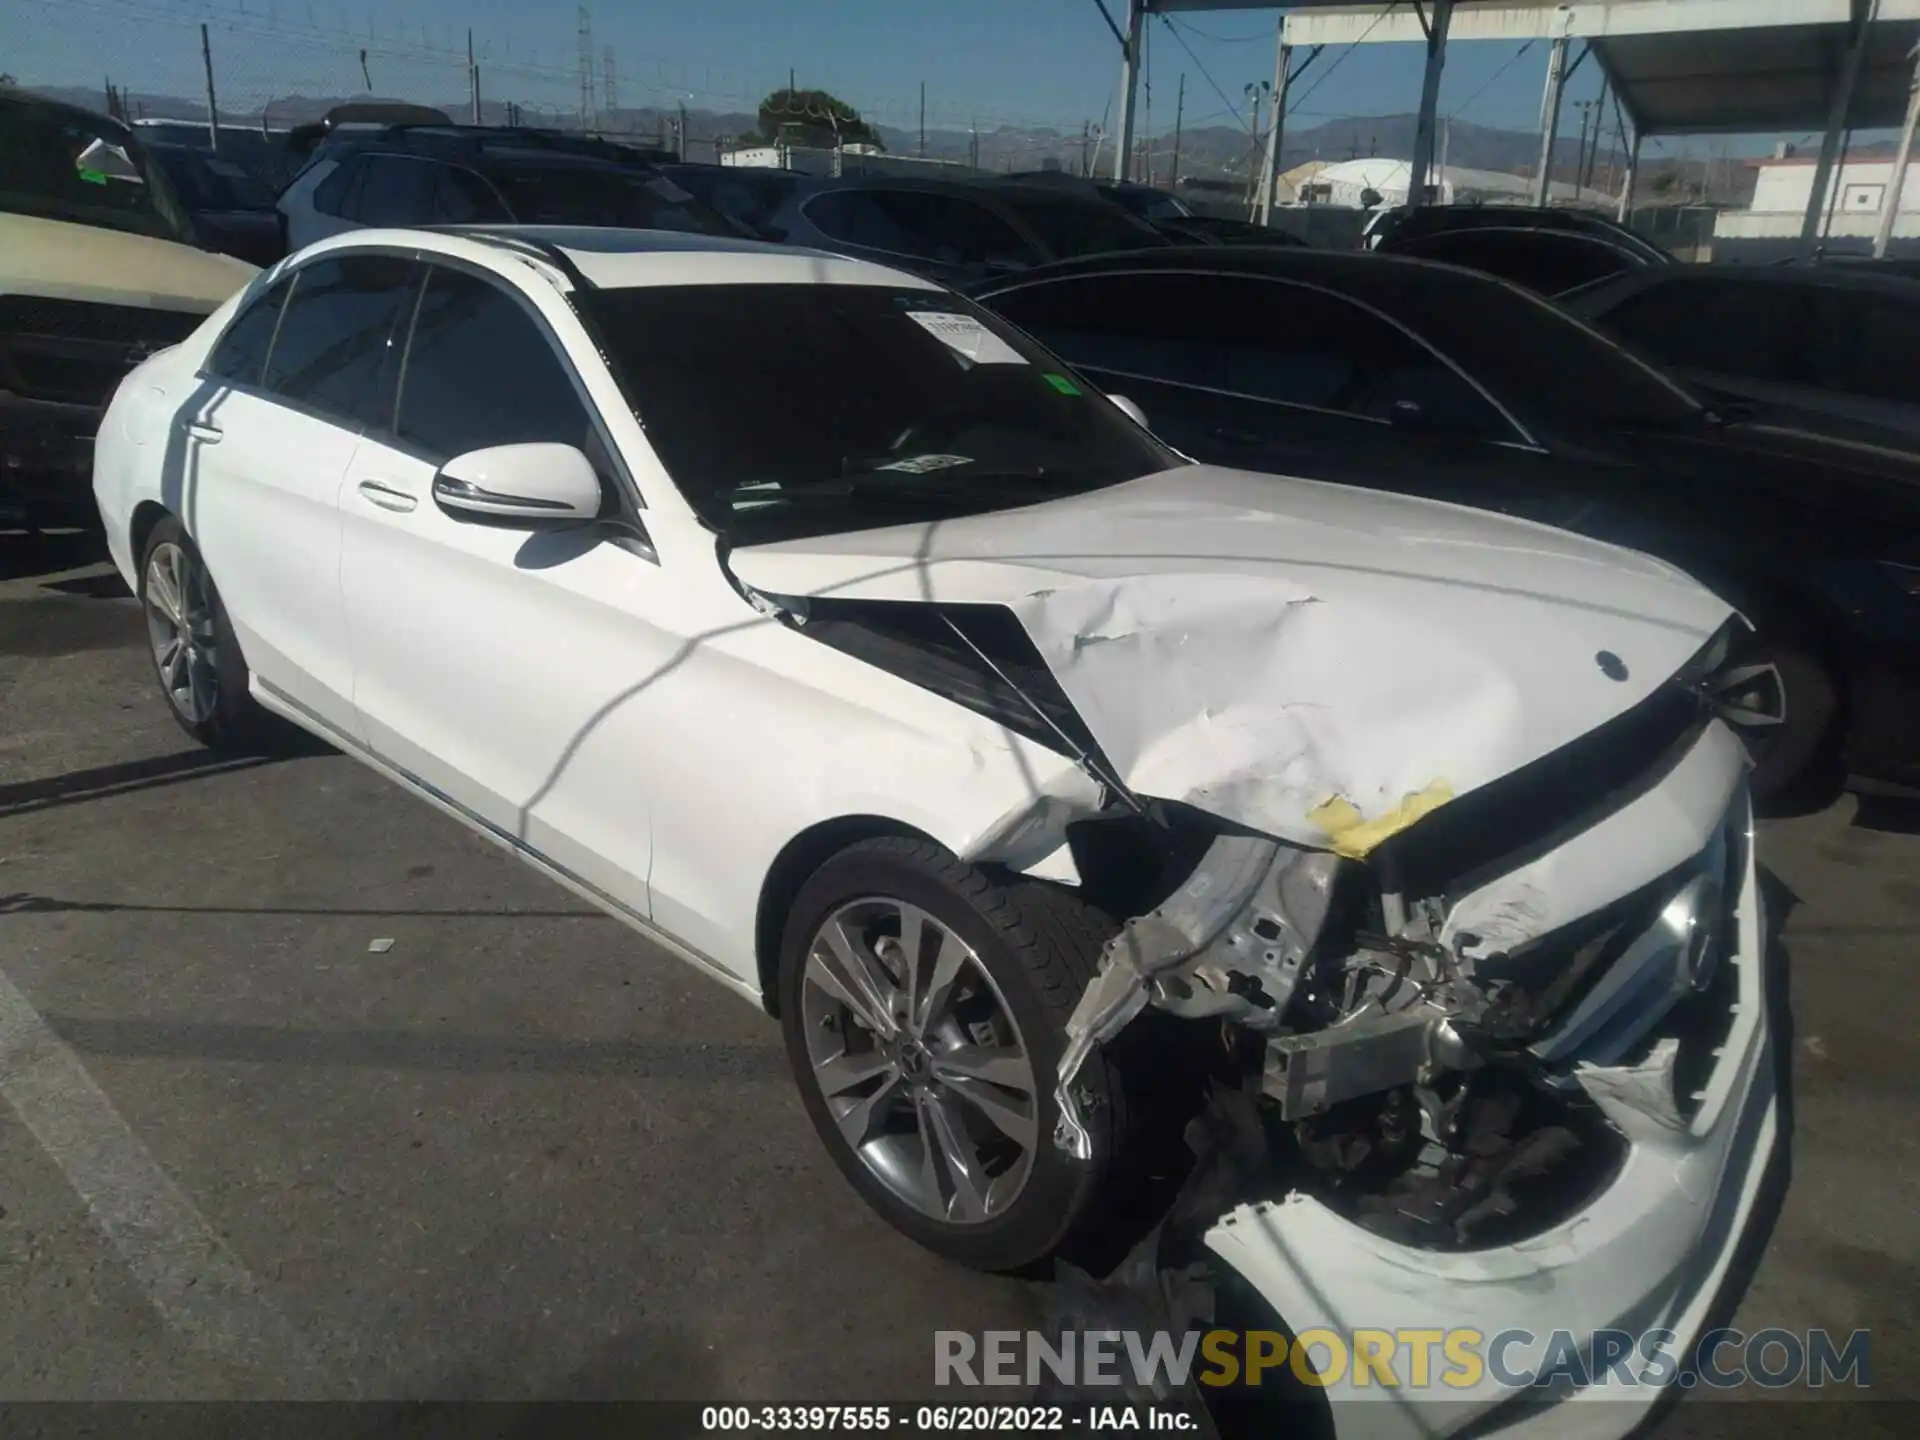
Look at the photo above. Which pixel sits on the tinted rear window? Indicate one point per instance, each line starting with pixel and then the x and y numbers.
pixel 809 409
pixel 1068 228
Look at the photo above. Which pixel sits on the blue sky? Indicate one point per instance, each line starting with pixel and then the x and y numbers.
pixel 1027 61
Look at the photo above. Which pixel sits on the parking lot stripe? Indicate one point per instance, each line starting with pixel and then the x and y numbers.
pixel 196 1283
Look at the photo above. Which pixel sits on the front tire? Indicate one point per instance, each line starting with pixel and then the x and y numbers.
pixel 925 1002
pixel 1780 698
pixel 196 657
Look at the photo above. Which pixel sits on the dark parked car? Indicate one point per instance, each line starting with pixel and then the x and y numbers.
pixel 1167 213
pixel 1403 375
pixel 1831 347
pixel 1547 251
pixel 232 210
pixel 955 231
pixel 455 174
pixel 748 196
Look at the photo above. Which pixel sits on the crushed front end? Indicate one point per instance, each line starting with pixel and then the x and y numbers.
pixel 1507 1071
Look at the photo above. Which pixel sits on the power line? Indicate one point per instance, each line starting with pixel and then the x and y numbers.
pixel 1205 73
pixel 1220 39
pixel 1341 59
pixel 1461 108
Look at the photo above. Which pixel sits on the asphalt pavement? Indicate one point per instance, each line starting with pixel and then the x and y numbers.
pixel 310 1092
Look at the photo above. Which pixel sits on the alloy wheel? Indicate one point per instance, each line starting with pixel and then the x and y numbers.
pixel 180 627
pixel 920 1060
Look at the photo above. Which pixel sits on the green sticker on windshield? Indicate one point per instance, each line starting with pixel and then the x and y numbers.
pixel 1062 384
pixel 93 177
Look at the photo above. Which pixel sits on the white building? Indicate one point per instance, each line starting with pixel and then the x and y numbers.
pixel 1784 184
pixel 1347 181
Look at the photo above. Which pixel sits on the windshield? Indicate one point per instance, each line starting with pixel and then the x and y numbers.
pixel 790 410
pixel 212 182
pixel 1546 364
pixel 1069 227
pixel 550 194
pixel 59 165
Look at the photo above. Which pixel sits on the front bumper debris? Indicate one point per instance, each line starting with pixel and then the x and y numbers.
pixel 1695 1106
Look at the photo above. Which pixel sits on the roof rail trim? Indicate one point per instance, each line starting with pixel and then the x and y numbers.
pixel 524 244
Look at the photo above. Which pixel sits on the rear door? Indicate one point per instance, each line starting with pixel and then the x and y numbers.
pixel 484 655
pixel 265 444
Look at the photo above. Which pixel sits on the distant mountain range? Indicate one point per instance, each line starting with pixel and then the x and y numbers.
pixel 1214 152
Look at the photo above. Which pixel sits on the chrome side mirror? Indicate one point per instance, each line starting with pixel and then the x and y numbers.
pixel 538 484
pixel 1132 411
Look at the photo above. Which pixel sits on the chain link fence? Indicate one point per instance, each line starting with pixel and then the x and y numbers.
pixel 268 65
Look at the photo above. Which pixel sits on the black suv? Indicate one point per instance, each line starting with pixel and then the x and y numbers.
pixel 475 175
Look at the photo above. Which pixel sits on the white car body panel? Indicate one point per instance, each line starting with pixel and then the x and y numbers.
pixel 1207 624
pixel 63 261
pixel 636 722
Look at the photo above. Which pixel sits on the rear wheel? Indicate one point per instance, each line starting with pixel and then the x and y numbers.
pixel 924 1003
pixel 195 655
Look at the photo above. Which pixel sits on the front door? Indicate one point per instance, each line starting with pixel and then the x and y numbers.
pixel 487 657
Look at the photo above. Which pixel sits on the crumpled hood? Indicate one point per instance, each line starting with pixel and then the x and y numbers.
pixel 1319 663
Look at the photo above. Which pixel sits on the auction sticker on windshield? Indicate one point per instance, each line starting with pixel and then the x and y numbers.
pixel 966 337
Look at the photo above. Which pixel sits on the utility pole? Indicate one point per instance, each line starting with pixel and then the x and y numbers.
pixel 1890 197
pixel 213 109
pixel 1086 149
pixel 1179 114
pixel 1550 119
pixel 586 69
pixel 1276 126
pixel 923 119
pixel 1585 107
pixel 473 80
pixel 973 145
pixel 683 130
pixel 1129 80
pixel 1420 172
pixel 609 88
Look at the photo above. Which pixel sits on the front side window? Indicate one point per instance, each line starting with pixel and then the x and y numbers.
pixel 336 338
pixel 240 357
pixel 1545 263
pixel 1540 361
pixel 1725 327
pixel 1862 343
pixel 479 372
pixel 784 410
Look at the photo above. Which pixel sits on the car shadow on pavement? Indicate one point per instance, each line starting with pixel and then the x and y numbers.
pixel 1888 814
pixel 423 1049
pixel 27 553
pixel 100 782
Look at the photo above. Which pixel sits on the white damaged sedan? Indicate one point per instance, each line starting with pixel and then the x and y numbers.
pixel 835 637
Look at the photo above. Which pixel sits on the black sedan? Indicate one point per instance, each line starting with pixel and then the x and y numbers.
pixel 1405 375
pixel 1548 251
pixel 1826 347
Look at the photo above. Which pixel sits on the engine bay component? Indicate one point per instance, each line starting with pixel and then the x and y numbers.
pixel 1230 942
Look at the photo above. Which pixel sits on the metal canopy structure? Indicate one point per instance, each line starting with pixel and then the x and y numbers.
pixel 1677 67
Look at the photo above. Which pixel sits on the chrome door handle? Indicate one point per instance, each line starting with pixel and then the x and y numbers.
pixel 387 497
pixel 200 430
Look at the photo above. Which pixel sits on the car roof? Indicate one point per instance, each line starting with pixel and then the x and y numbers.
pixel 1798 275
pixel 1353 272
pixel 599 258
